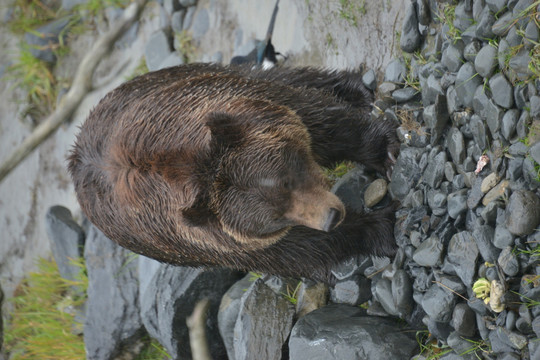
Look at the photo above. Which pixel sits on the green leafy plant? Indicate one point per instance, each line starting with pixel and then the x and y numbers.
pixel 429 347
pixel 292 294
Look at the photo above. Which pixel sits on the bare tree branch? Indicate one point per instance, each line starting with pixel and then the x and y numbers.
pixel 82 84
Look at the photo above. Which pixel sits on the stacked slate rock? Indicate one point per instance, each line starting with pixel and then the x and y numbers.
pixel 179 19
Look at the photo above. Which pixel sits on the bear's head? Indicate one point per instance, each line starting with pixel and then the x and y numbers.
pixel 263 180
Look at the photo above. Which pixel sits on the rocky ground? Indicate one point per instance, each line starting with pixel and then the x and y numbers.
pixel 467 177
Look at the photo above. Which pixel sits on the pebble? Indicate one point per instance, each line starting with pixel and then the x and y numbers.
pixel 489 182
pixel 438 303
pixel 456 145
pixel 429 252
pixel 502 91
pixel 508 262
pixel 457 203
pixel 464 320
pixel 498 191
pixel 452 58
pixel 375 192
pixel 486 61
pixel 395 72
pixel 467 81
pixel 509 122
pixel 522 213
pixel 462 253
pixel 410 36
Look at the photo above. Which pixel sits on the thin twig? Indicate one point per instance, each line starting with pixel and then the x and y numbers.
pixel 82 84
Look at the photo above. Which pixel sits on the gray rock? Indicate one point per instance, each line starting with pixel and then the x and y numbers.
pixel 535 107
pixel 395 71
pixel 522 213
pixel 354 290
pixel 452 58
pixel 375 192
pixel 438 303
pixel 157 48
pixel 463 16
pixel 312 296
pixel 452 99
pixel 45 38
pixel 383 294
pixel 535 152
pixel 410 36
pixel 429 252
pixel 434 172
pixel 228 312
pixel 263 323
pixel 515 169
pixel 201 23
pixel 170 298
pixel 423 12
pixel 496 5
pixel 521 96
pixel 349 186
pixel 519 64
pixel 113 318
pixel 486 61
pixel 436 117
pixel 177 20
pixel 462 253
pixel 171 6
pixel 404 95
pixel 430 89
pixel 478 130
pixel 187 3
pixel 464 320
pixel 518 149
pixel 523 124
pixel 508 262
pixel 437 202
pixel 485 24
pixel 172 60
pixel 502 91
pixel 508 123
pixel 67 240
pixel 519 9
pixel 531 33
pixel 402 293
pixel 471 51
pixel 477 9
pixel 370 79
pixel 466 349
pixel 503 340
pixel 480 101
pixel 467 81
pixel 457 203
pixel 338 332
pixel 406 172
pixel 502 24
pixel 456 145
pixel 483 236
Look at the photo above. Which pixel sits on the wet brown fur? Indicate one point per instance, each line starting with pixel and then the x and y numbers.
pixel 170 165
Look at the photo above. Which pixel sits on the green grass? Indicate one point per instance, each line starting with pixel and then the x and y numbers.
pixel 184 45
pixel 350 10
pixel 44 316
pixel 42 325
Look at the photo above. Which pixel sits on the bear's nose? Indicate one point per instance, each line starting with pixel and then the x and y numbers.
pixel 334 217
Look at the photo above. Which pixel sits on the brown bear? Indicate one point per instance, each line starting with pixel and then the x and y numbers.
pixel 204 165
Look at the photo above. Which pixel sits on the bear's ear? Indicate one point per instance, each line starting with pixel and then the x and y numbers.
pixel 226 130
pixel 197 216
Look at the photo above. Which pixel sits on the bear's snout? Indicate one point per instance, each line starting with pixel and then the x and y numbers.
pixel 333 220
pixel 317 209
